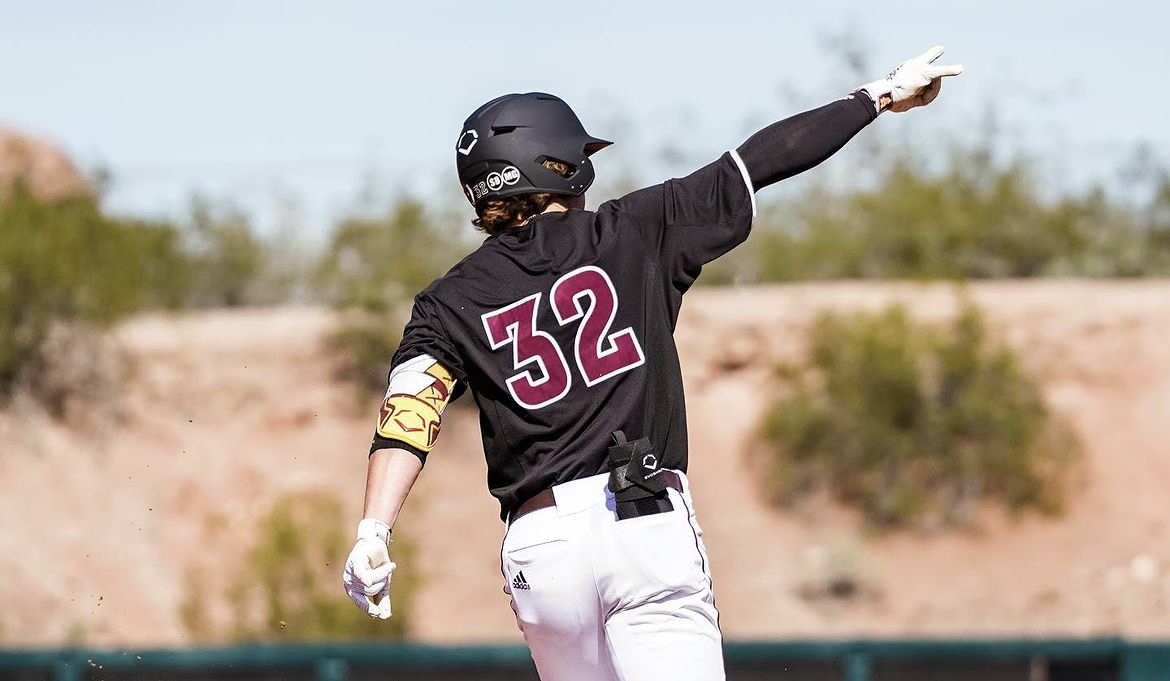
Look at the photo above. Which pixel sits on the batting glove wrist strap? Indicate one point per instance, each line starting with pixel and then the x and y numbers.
pixel 914 82
pixel 368 569
pixel 372 528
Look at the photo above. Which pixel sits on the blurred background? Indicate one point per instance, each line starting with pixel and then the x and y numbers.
pixel 929 401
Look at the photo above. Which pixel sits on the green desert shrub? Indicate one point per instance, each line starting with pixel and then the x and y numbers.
pixel 287 586
pixel 362 346
pixel 227 258
pixel 973 220
pixel 966 217
pixel 63 263
pixel 376 263
pixel 910 423
pixel 371 270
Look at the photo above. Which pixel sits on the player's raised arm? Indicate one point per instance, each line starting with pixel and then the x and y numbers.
pixel 800 142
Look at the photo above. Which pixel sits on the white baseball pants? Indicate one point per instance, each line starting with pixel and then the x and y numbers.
pixel 601 599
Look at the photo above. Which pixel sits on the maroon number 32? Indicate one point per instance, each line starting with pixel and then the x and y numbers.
pixel 587 296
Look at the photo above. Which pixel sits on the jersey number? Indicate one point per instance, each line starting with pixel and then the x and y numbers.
pixel 585 294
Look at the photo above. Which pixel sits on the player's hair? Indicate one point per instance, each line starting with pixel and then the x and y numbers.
pixel 498 215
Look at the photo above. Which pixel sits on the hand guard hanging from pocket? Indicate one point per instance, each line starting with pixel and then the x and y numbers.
pixel 635 478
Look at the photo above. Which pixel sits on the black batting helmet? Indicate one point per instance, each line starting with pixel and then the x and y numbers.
pixel 505 143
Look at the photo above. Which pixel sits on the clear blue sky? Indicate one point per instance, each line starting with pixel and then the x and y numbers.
pixel 289 108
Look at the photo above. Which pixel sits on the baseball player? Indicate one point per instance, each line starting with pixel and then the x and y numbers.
pixel 561 326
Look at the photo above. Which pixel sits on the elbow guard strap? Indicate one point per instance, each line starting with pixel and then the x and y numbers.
pixel 412 410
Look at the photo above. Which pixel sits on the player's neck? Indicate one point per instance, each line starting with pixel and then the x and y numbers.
pixel 559 206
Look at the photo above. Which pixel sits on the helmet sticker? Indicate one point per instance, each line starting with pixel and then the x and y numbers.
pixel 467 141
pixel 495 181
pixel 510 175
pixel 477 191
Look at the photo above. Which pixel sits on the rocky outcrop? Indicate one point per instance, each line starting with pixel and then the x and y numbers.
pixel 38 165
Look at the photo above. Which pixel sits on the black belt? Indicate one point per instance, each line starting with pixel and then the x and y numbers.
pixel 546 499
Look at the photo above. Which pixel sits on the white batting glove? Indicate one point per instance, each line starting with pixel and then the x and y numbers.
pixel 368 569
pixel 915 82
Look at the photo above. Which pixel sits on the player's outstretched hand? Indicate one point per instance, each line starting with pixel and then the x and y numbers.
pixel 915 82
pixel 368 569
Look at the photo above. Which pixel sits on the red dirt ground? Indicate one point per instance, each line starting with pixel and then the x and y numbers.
pixel 227 410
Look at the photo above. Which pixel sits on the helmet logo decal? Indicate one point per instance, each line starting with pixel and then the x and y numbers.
pixel 495 181
pixel 510 175
pixel 467 141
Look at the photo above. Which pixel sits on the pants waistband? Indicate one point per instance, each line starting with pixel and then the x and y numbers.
pixel 578 495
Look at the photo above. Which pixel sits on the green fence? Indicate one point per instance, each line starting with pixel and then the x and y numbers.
pixel 900 660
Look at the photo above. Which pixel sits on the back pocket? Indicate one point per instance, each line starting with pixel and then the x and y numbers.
pixel 663 548
pixel 535 537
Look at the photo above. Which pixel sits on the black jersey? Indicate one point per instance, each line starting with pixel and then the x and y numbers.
pixel 563 329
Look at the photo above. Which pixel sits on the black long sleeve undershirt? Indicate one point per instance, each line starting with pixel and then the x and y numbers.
pixel 795 144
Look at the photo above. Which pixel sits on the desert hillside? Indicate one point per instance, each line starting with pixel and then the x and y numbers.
pixel 224 412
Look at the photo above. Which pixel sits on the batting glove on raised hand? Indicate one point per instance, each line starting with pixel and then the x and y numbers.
pixel 914 82
pixel 368 569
